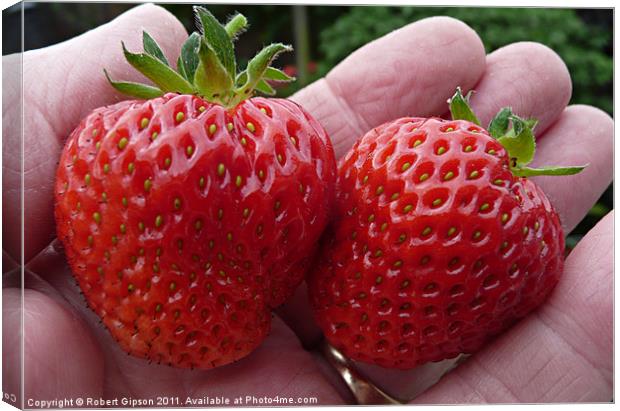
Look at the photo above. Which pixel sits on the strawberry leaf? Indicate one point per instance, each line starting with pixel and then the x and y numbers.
pixel 259 63
pixel 547 171
pixel 275 74
pixel 159 73
pixel 218 40
pixel 189 56
pixel 265 88
pixel 242 77
pixel 500 123
pixel 211 78
pixel 460 109
pixel 181 68
pixel 151 47
pixel 531 122
pixel 138 90
pixel 519 142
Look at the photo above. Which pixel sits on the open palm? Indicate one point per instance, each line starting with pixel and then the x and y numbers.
pixel 562 352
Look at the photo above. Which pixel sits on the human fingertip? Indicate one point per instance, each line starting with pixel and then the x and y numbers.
pixel 455 30
pixel 597 116
pixel 161 24
pixel 459 45
pixel 539 56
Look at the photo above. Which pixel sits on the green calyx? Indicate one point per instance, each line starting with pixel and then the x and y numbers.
pixel 515 134
pixel 206 66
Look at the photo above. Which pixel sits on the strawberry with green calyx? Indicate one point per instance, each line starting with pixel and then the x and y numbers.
pixel 206 66
pixel 439 240
pixel 187 215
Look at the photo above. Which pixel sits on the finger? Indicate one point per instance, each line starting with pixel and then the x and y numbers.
pixel 581 135
pixel 411 71
pixel 70 83
pixel 561 353
pixel 61 359
pixel 11 157
pixel 530 78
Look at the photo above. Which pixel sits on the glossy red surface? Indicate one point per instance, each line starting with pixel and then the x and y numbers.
pixel 435 245
pixel 183 240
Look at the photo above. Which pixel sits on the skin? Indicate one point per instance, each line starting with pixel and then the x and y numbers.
pixel 562 352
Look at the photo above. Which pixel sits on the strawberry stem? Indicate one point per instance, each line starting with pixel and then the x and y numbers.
pixel 460 109
pixel 206 66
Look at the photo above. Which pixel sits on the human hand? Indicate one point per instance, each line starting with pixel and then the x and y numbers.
pixel 414 71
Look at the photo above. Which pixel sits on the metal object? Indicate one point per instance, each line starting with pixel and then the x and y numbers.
pixel 364 391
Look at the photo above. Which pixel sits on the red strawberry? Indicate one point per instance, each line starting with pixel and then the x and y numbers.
pixel 439 241
pixel 187 217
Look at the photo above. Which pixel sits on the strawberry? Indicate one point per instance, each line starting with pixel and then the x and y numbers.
pixel 191 212
pixel 439 240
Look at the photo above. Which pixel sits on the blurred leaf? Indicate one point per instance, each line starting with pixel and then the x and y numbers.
pixel 572 240
pixel 599 210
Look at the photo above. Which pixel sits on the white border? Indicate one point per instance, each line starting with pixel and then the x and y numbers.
pixel 480 3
